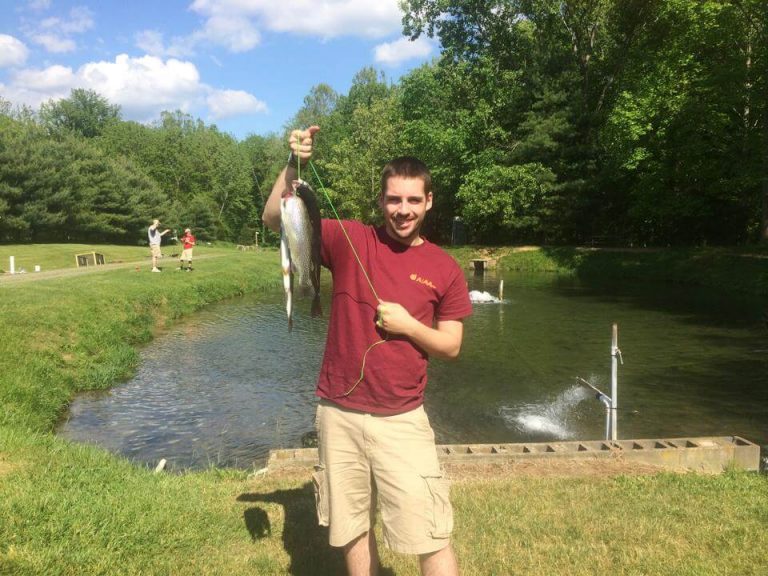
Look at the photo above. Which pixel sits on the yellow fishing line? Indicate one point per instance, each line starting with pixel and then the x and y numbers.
pixel 359 263
pixel 338 219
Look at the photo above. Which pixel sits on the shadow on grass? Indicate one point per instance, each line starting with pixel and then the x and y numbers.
pixel 305 541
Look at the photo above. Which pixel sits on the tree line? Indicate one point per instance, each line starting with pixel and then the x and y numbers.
pixel 641 122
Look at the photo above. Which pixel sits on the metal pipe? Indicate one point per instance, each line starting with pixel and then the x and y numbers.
pixel 615 354
pixel 606 400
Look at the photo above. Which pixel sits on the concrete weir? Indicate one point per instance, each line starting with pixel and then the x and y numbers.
pixel 709 454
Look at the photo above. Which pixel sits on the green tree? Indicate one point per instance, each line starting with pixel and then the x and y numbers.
pixel 85 112
pixel 318 105
pixel 502 204
pixel 685 134
pixel 365 136
pixel 266 156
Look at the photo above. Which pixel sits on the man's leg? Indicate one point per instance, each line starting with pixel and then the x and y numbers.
pixel 362 556
pixel 155 253
pixel 440 563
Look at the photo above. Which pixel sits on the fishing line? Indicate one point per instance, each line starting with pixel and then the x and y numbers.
pixel 359 263
pixel 338 219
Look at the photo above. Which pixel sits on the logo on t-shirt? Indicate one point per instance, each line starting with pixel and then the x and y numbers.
pixel 420 280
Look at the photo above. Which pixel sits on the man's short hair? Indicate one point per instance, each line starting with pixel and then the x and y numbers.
pixel 406 167
pixel 187 230
pixel 155 222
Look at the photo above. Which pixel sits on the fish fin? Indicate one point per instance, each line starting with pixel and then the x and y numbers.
pixel 317 309
pixel 285 261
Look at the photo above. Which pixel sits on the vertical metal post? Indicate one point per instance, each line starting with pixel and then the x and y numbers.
pixel 614 380
pixel 13 265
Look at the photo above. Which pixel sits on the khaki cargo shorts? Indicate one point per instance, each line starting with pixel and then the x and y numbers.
pixel 364 455
pixel 186 254
pixel 155 250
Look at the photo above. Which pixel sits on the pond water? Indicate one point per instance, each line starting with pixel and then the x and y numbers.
pixel 227 385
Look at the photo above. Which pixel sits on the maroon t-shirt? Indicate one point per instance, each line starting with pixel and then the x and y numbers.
pixel 424 279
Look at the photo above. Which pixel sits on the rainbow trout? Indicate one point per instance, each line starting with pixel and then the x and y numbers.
pixel 300 246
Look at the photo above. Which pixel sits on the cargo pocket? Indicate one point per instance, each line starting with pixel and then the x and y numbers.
pixel 440 517
pixel 321 495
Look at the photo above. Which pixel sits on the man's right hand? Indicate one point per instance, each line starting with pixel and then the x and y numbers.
pixel 301 143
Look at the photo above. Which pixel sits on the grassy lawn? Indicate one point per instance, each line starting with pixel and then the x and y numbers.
pixel 72 509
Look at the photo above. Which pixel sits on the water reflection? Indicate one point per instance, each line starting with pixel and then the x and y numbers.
pixel 229 384
pixel 221 389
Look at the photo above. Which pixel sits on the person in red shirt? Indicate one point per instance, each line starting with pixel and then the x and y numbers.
pixel 399 300
pixel 188 243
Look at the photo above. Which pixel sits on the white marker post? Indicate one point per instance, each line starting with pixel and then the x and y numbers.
pixel 13 265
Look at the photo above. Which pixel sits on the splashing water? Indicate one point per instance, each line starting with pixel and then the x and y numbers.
pixel 546 418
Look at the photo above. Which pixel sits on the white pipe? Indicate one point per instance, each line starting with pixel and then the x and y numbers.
pixel 614 380
pixel 501 290
pixel 13 265
pixel 606 402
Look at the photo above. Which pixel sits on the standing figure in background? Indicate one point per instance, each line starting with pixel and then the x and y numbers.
pixel 155 236
pixel 188 242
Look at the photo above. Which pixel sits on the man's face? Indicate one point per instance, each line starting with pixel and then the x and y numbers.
pixel 404 206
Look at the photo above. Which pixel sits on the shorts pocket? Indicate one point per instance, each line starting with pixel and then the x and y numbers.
pixel 439 512
pixel 321 495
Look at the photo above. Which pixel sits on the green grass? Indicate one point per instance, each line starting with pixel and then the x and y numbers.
pixel 72 509
pixel 731 270
pixel 62 256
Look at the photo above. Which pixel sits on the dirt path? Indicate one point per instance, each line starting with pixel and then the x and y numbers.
pixel 139 266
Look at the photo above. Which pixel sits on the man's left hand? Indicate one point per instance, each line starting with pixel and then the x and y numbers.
pixel 395 319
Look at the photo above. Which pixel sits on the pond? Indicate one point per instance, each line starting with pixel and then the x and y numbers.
pixel 224 387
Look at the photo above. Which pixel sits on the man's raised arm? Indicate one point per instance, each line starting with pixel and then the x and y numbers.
pixel 301 148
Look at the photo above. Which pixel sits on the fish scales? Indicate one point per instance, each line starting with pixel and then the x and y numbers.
pixel 300 234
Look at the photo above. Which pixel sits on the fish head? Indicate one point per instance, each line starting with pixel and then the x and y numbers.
pixel 294 189
pixel 301 189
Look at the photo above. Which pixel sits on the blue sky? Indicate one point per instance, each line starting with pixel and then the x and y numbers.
pixel 244 65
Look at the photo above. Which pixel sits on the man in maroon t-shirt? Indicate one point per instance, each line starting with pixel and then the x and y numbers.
pixel 397 299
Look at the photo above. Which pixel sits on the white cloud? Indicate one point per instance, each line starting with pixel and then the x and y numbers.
pixel 54 43
pixel 236 24
pixel 142 87
pixel 80 20
pixel 235 33
pixel 13 52
pixel 151 41
pixel 322 18
pixel 39 5
pixel 393 53
pixel 53 80
pixel 55 34
pixel 227 103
